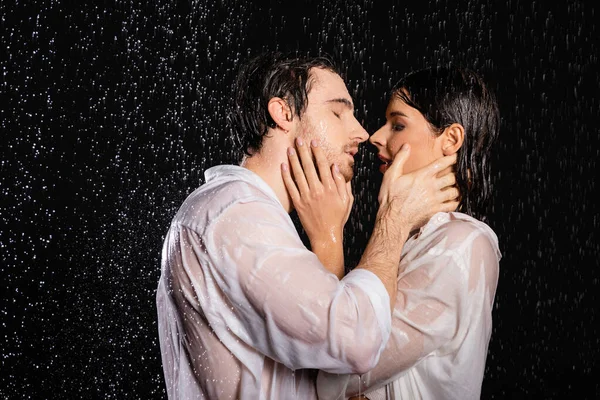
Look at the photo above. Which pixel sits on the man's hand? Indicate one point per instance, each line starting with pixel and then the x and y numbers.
pixel 417 196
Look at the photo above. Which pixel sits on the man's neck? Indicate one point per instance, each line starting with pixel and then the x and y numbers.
pixel 267 165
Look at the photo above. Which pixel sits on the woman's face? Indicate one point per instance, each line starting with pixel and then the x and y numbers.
pixel 405 124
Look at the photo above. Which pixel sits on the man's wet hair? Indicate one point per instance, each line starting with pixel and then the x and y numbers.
pixel 447 95
pixel 263 77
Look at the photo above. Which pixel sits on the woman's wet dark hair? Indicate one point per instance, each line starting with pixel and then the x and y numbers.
pixel 269 75
pixel 456 95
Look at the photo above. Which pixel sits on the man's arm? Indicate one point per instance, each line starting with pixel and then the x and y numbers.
pixel 282 301
pixel 406 203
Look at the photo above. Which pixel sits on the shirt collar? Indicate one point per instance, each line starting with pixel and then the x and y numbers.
pixel 230 172
pixel 441 218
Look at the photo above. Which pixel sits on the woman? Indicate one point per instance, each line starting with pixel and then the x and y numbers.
pixel 442 320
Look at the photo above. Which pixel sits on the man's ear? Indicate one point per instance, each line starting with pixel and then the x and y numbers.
pixel 281 113
pixel 453 138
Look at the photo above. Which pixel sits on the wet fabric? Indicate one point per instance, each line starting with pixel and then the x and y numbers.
pixel 245 311
pixel 442 320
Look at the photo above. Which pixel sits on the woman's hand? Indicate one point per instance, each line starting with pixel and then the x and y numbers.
pixel 322 200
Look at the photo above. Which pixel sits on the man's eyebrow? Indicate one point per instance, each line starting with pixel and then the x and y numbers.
pixel 398 114
pixel 343 101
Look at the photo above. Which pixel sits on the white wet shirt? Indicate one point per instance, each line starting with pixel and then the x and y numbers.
pixel 245 311
pixel 442 321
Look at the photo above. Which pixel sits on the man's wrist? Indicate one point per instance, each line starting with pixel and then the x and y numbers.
pixel 391 223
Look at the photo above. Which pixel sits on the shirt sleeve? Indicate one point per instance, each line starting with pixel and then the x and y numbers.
pixel 280 300
pixel 433 306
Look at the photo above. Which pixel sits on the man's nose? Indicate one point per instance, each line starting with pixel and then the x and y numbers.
pixel 359 133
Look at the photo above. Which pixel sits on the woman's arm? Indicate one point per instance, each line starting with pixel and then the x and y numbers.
pixel 323 202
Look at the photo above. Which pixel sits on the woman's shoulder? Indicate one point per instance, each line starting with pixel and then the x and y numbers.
pixel 459 230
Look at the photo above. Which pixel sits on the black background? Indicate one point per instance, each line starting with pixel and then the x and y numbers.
pixel 111 112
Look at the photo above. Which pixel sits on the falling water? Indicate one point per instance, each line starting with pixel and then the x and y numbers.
pixel 111 113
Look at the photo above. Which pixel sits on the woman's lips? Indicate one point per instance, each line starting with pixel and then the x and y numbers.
pixel 384 159
pixel 386 163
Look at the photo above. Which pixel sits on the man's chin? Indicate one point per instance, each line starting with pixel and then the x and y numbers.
pixel 348 174
pixel 346 169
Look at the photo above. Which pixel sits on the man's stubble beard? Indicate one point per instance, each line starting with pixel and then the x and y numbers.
pixel 307 133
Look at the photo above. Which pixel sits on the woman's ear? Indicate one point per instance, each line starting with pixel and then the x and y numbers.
pixel 281 113
pixel 453 138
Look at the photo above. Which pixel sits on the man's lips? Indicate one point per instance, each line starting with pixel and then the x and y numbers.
pixel 352 152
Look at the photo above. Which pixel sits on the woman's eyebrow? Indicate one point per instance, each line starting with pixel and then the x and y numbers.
pixel 398 114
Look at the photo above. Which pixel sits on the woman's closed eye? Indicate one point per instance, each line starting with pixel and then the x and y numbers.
pixel 397 127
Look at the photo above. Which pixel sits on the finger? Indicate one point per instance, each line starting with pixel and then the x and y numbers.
pixel 394 171
pixel 449 206
pixel 298 172
pixel 446 171
pixel 350 197
pixel 397 166
pixel 327 177
pixel 440 164
pixel 450 194
pixel 308 165
pixel 340 182
pixel 290 185
pixel 446 180
pixel 349 189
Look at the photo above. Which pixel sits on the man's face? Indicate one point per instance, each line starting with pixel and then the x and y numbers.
pixel 329 118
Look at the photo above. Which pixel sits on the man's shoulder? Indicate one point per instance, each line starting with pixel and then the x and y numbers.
pixel 221 190
pixel 232 183
pixel 209 201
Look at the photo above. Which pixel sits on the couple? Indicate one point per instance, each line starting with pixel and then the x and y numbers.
pixel 246 311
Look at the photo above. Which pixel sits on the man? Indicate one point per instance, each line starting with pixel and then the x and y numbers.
pixel 244 309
